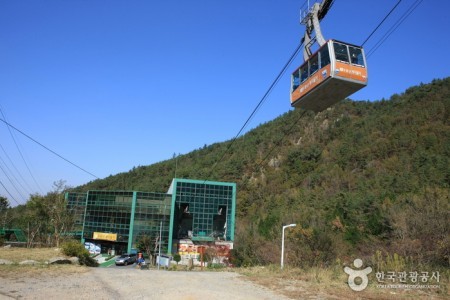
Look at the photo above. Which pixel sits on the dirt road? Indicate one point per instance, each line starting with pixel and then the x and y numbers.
pixel 126 283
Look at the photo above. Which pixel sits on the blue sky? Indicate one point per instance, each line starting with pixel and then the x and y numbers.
pixel 114 84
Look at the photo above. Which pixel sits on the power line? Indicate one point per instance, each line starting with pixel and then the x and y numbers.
pixel 48 149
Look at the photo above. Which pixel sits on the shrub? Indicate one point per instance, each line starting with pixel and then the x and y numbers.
pixel 177 258
pixel 75 248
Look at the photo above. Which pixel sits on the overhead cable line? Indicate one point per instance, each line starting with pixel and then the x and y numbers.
pixel 376 28
pixel 260 103
pixel 276 81
pixel 48 149
pixel 21 155
pixel 394 27
pixel 269 90
pixel 12 182
pixel 28 189
pixel 301 115
pixel 12 197
pixel 405 15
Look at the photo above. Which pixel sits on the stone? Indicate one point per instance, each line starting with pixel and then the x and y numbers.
pixel 59 261
pixel 74 260
pixel 5 262
pixel 29 262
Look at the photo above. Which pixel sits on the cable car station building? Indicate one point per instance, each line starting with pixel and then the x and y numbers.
pixel 192 213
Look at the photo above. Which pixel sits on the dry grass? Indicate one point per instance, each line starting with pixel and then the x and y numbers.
pixel 41 255
pixel 17 255
pixel 328 283
pixel 324 283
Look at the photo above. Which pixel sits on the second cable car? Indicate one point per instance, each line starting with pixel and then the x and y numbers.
pixel 333 73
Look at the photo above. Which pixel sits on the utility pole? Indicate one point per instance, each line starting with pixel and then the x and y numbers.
pixel 159 252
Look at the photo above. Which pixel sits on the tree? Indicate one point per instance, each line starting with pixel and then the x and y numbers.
pixel 177 258
pixel 49 214
pixel 148 244
pixel 4 205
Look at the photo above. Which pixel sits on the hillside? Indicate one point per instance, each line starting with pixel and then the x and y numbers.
pixel 359 177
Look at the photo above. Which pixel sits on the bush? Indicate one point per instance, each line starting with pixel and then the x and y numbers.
pixel 75 248
pixel 177 258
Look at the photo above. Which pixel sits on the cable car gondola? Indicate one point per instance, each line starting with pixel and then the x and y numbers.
pixel 333 73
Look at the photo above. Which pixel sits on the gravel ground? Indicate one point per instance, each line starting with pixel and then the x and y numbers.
pixel 113 283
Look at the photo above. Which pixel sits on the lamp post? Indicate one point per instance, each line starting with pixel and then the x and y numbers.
pixel 282 243
pixel 159 251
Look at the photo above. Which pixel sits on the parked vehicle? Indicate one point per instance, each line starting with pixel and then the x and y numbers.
pixel 126 259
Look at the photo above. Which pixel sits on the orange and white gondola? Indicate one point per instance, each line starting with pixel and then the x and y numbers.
pixel 333 73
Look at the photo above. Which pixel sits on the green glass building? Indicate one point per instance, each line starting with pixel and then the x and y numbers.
pixel 196 210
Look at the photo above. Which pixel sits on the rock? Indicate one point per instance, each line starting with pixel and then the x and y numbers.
pixel 74 260
pixel 29 262
pixel 7 246
pixel 59 261
pixel 5 262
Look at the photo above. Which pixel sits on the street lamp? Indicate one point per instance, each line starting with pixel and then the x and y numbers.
pixel 282 243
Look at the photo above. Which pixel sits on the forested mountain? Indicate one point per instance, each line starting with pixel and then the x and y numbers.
pixel 358 177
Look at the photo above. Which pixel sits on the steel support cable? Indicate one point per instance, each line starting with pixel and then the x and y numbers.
pixel 409 11
pixel 276 81
pixel 28 189
pixel 12 197
pixel 12 183
pixel 376 28
pixel 264 97
pixel 394 27
pixel 21 155
pixel 48 149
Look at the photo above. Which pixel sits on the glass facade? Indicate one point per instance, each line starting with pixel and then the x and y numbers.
pixel 76 203
pixel 152 217
pixel 108 212
pixel 203 210
pixel 198 210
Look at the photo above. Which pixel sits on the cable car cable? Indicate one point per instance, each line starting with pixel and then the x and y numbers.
pixel 48 149
pixel 381 22
pixel 304 111
pixel 394 27
pixel 264 97
pixel 27 189
pixel 21 155
pixel 12 183
pixel 12 197
pixel 276 81
pixel 405 15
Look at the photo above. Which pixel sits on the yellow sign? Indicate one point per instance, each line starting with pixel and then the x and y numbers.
pixel 105 236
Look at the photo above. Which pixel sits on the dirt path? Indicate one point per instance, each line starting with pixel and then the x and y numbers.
pixel 108 283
